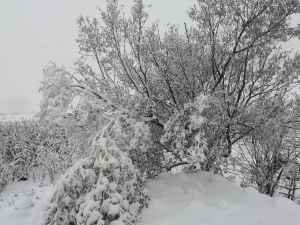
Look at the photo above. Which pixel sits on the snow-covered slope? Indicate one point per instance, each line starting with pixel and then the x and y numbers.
pixel 176 199
pixel 205 199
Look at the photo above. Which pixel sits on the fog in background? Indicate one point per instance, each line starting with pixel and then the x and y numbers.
pixel 34 32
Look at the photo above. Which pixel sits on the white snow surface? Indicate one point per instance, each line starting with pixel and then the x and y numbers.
pixel 203 198
pixel 21 203
pixel 24 203
pixel 198 198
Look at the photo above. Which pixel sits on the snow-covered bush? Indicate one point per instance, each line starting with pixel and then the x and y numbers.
pixel 18 146
pixel 28 147
pixel 105 187
pixel 52 163
pixel 184 134
pixel 3 174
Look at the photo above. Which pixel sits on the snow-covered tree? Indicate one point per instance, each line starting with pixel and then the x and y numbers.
pixel 104 187
pixel 261 159
pixel 198 91
pixel 57 94
pixel 184 135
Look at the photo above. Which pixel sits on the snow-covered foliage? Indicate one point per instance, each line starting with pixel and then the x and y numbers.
pixel 3 173
pixel 234 63
pixel 27 147
pixel 201 92
pixel 106 187
pixel 184 134
pixel 57 94
pixel 216 97
pixel 263 159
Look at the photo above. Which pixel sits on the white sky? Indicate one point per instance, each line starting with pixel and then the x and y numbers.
pixel 33 32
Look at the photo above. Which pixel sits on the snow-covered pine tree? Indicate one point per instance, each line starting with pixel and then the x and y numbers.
pixel 104 187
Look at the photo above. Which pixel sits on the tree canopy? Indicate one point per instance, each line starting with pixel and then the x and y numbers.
pixel 212 97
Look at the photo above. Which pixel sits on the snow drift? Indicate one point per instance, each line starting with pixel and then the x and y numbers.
pixel 198 198
pixel 203 198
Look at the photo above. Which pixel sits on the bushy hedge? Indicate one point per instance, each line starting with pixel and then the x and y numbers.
pixel 28 148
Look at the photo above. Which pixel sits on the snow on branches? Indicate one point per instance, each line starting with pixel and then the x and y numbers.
pixel 184 134
pixel 104 187
pixel 28 146
pixel 57 94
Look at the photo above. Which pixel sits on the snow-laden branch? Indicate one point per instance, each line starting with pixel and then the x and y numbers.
pixel 177 164
pixel 109 102
pixel 100 96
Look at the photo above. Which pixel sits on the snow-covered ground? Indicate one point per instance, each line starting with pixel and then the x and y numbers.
pixel 205 199
pixel 176 199
pixel 21 203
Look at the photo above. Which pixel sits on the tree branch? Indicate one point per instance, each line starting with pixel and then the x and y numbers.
pixel 100 96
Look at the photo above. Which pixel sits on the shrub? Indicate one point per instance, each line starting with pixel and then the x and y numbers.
pixel 28 146
pixel 104 187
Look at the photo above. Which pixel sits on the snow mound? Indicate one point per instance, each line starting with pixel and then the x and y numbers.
pixel 21 203
pixel 203 198
pixel 24 203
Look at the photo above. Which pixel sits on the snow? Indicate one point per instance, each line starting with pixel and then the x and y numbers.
pixel 22 203
pixel 223 205
pixel 203 198
pixel 198 198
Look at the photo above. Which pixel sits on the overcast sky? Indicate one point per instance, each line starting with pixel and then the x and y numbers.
pixel 34 32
